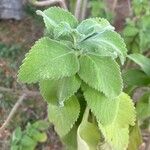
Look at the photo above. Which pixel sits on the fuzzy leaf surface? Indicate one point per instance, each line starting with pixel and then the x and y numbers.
pixel 103 108
pixel 107 43
pixel 57 91
pixel 58 15
pixel 117 133
pixel 48 59
pixel 93 25
pixel 101 73
pixel 64 117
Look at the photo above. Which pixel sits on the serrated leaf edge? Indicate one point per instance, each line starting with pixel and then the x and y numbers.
pixel 30 52
pixel 78 114
pixel 94 87
pixel 55 7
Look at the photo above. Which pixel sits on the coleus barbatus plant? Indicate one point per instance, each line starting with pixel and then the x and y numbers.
pixel 76 66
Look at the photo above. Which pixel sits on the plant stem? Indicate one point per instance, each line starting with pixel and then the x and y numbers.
pixel 12 113
pixel 86 114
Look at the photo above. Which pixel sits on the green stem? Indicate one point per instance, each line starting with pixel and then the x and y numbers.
pixel 86 114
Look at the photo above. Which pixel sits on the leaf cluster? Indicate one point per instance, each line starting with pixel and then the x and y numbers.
pixel 137 28
pixel 29 138
pixel 74 57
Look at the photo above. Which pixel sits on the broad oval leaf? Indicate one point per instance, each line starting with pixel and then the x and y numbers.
pixel 117 132
pixel 48 59
pixel 57 91
pixel 101 73
pixel 64 117
pixel 142 61
pixel 57 15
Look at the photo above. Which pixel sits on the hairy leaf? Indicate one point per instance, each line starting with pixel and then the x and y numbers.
pixel 48 59
pixel 94 25
pixel 64 117
pixel 101 73
pixel 107 43
pixel 118 138
pixel 104 109
pixel 117 133
pixel 57 91
pixel 63 29
pixel 57 15
pixel 142 61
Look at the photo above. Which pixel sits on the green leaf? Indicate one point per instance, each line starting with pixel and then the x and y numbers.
pixel 143 106
pixel 117 132
pixel 142 61
pixel 41 125
pixel 54 15
pixel 16 136
pixel 107 43
pixel 14 147
pixel 118 138
pixel 64 117
pixel 70 140
pixel 40 137
pixel 103 108
pixel 101 73
pixel 63 29
pixel 28 141
pixel 135 77
pixel 35 134
pixel 144 34
pixel 130 31
pixel 88 136
pixel 48 59
pixel 57 91
pixel 135 139
pixel 94 25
